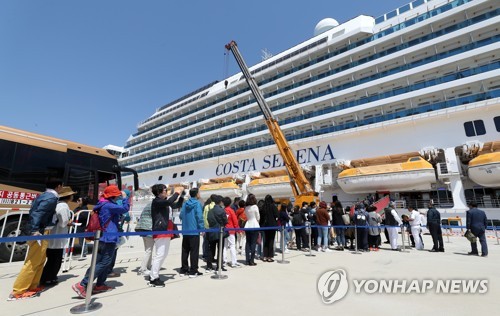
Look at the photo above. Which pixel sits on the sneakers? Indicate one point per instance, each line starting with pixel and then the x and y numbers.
pixel 156 283
pixel 79 289
pixel 183 273
pixel 143 272
pixel 195 274
pixel 101 289
pixel 327 250
pixel 113 275
pixel 23 296
pixel 236 265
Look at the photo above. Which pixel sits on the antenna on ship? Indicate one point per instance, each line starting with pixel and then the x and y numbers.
pixel 265 54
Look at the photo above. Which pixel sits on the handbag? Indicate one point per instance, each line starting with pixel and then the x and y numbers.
pixel 173 226
pixel 470 236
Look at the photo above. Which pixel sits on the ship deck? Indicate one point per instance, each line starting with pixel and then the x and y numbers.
pixel 274 288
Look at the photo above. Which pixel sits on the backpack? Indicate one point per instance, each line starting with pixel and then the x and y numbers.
pixel 297 219
pixel 95 224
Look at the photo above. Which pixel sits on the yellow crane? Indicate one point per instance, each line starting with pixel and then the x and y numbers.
pixel 302 189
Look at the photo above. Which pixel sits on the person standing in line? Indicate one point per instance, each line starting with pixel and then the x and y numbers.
pixel 322 218
pixel 477 223
pixel 434 226
pixel 109 214
pixel 145 224
pixel 374 221
pixel 216 219
pixel 415 223
pixel 209 204
pixel 56 246
pixel 392 221
pixel 284 219
pixel 269 218
pixel 360 218
pixel 253 217
pixel 242 220
pixel 230 241
pixel 40 216
pixel 338 222
pixel 298 223
pixel 161 207
pixel 82 216
pixel 192 221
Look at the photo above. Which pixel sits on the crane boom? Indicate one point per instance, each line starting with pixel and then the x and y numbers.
pixel 301 187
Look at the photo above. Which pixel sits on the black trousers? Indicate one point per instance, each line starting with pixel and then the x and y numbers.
pixel 52 266
pixel 301 239
pixel 269 243
pixel 190 249
pixel 213 250
pixel 373 241
pixel 437 235
pixel 362 238
pixel 251 242
pixel 482 240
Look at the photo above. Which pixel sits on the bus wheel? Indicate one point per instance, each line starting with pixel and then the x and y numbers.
pixel 20 247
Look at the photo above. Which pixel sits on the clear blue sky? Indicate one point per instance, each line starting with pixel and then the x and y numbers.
pixel 90 71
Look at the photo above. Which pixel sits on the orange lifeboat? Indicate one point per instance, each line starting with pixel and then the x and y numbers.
pixel 414 174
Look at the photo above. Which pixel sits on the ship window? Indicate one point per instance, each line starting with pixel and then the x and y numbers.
pixel 174 175
pixel 183 173
pixel 160 177
pixel 474 128
pixel 496 119
pixel 414 159
pixel 191 172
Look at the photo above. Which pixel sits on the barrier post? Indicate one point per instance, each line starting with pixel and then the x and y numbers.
pixel 447 236
pixel 219 275
pixel 89 306
pixel 356 252
pixel 308 233
pixel 15 242
pixel 403 238
pixel 283 261
pixel 495 230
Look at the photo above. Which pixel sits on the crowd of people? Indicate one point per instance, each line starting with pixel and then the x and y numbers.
pixel 249 225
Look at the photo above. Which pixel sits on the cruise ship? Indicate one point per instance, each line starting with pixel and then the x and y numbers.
pixel 406 104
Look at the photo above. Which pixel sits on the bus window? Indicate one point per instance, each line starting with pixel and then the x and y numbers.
pixel 83 182
pixel 33 165
pixel 105 179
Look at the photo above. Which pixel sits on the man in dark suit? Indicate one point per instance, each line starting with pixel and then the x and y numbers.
pixel 476 223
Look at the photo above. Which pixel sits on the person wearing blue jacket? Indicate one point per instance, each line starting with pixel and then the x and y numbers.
pixel 109 214
pixel 192 221
pixel 477 223
pixel 41 216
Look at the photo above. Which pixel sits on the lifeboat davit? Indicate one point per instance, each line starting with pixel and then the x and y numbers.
pixel 485 169
pixel 415 174
pixel 277 187
pixel 229 189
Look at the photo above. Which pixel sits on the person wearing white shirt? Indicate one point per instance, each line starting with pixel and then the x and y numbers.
pixel 56 246
pixel 415 222
pixel 253 217
pixel 392 221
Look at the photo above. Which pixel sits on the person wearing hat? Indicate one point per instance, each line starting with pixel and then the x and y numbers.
pixel 40 215
pixel 109 214
pixel 415 223
pixel 56 246
pixel 192 221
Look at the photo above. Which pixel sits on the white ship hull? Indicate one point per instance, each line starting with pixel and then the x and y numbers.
pixel 424 78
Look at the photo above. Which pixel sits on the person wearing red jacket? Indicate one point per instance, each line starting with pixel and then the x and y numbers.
pixel 230 242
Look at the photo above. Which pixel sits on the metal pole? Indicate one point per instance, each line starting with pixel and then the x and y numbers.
pixel 88 306
pixel 308 233
pixel 17 234
pixel 447 236
pixel 496 233
pixel 356 252
pixel 283 261
pixel 219 275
